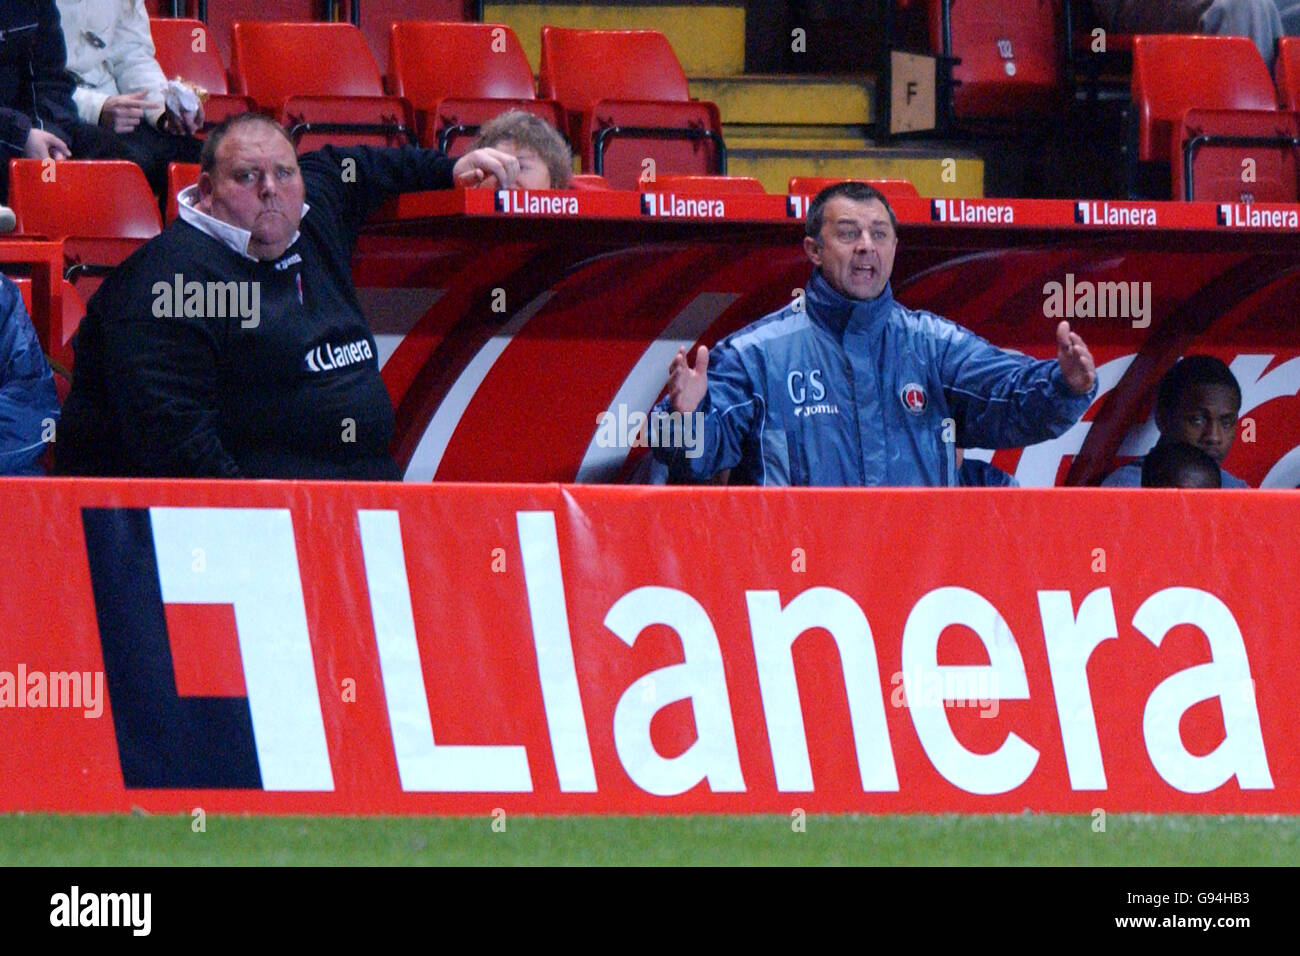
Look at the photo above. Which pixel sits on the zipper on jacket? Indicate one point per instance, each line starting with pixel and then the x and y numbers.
pixel 18 30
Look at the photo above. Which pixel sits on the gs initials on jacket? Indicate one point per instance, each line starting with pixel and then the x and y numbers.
pixel 849 392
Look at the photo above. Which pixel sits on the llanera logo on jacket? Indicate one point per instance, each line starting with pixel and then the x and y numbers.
pixel 326 357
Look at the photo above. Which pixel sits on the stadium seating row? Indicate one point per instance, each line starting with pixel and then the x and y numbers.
pixel 979 36
pixel 448 78
pixel 373 17
pixel 1006 56
pixel 1216 127
pixel 1205 121
pixel 445 79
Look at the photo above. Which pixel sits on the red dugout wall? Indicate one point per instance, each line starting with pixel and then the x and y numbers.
pixel 506 336
pixel 281 647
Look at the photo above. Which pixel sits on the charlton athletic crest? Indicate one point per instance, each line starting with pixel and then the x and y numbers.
pixel 913 397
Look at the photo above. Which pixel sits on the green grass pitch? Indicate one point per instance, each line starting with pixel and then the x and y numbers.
pixel 1031 839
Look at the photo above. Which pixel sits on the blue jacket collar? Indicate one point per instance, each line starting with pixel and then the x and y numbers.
pixel 835 312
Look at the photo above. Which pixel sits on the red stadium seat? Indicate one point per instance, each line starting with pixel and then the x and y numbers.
pixel 375 18
pixel 1287 71
pixel 458 76
pixel 103 211
pixel 1231 91
pixel 223 14
pixel 811 185
pixel 1010 52
pixel 71 198
pixel 702 185
pixel 74 309
pixel 627 100
pixel 41 261
pixel 1229 75
pixel 185 48
pixel 1216 171
pixel 179 176
pixel 320 81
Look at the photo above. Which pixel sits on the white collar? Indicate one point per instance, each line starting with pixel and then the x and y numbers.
pixel 225 233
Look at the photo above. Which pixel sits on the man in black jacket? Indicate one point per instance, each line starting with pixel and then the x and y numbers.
pixel 233 344
pixel 36 111
pixel 37 117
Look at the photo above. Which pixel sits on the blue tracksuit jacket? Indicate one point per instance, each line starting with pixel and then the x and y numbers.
pixel 27 396
pixel 849 392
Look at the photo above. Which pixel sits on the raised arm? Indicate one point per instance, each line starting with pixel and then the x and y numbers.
pixel 1002 400
pixel 354 181
pixel 718 394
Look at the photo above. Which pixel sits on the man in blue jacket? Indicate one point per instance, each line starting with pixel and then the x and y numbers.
pixel 29 406
pixel 845 386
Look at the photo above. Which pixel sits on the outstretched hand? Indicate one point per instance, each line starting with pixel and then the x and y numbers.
pixel 486 167
pixel 1077 367
pixel 124 112
pixel 687 386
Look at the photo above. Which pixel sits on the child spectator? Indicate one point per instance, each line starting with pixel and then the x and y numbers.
pixel 1179 465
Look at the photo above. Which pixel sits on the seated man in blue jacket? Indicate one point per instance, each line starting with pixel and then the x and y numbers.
pixel 845 386
pixel 29 406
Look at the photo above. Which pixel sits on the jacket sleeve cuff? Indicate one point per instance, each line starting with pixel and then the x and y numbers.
pixel 1064 390
pixel 15 127
pixel 90 103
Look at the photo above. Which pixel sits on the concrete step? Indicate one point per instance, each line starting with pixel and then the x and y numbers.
pixel 925 169
pixel 835 138
pixel 789 100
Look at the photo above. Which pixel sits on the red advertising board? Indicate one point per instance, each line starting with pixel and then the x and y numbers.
pixel 321 648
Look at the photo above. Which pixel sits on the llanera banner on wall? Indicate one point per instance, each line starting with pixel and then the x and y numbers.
pixel 326 648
